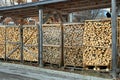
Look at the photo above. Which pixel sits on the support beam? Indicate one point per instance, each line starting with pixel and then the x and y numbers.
pixel 114 39
pixel 62 40
pixel 5 45
pixel 21 42
pixel 40 39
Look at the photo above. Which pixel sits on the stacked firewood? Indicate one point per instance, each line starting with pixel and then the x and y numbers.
pixel 51 55
pixel 73 41
pixel 97 56
pixel 31 53
pixel 51 41
pixel 12 42
pixel 73 56
pixel 51 35
pixel 73 34
pixel 98 33
pixel 2 42
pixel 30 38
pixel 98 40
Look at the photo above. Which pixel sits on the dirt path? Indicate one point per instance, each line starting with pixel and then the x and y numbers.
pixel 21 72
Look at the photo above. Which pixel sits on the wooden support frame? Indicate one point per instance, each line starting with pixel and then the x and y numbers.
pixel 21 42
pixel 5 56
pixel 62 39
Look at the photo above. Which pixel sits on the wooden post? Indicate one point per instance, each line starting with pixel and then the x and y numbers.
pixel 62 40
pixel 5 57
pixel 114 39
pixel 40 39
pixel 21 42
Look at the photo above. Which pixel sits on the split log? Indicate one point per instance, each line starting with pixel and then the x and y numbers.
pixel 12 36
pixel 30 38
pixel 30 35
pixel 51 34
pixel 2 42
pixel 11 53
pixel 73 34
pixel 73 56
pixel 52 55
pixel 97 56
pixel 30 53
pixel 98 33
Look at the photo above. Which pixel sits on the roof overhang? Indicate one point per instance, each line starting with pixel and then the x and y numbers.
pixel 65 6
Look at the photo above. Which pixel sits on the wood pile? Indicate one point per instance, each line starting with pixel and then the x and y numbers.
pixel 98 33
pixel 73 41
pixel 97 56
pixel 12 41
pixel 118 41
pixel 51 34
pixel 2 42
pixel 73 34
pixel 73 56
pixel 11 54
pixel 31 53
pixel 98 41
pixel 30 37
pixel 51 41
pixel 51 55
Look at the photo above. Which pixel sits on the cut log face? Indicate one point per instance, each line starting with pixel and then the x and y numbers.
pixel 51 35
pixel 52 42
pixel 12 34
pixel 2 42
pixel 98 33
pixel 31 53
pixel 73 56
pixel 96 56
pixel 12 41
pixel 73 41
pixel 73 34
pixel 51 55
pixel 30 35
pixel 30 39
